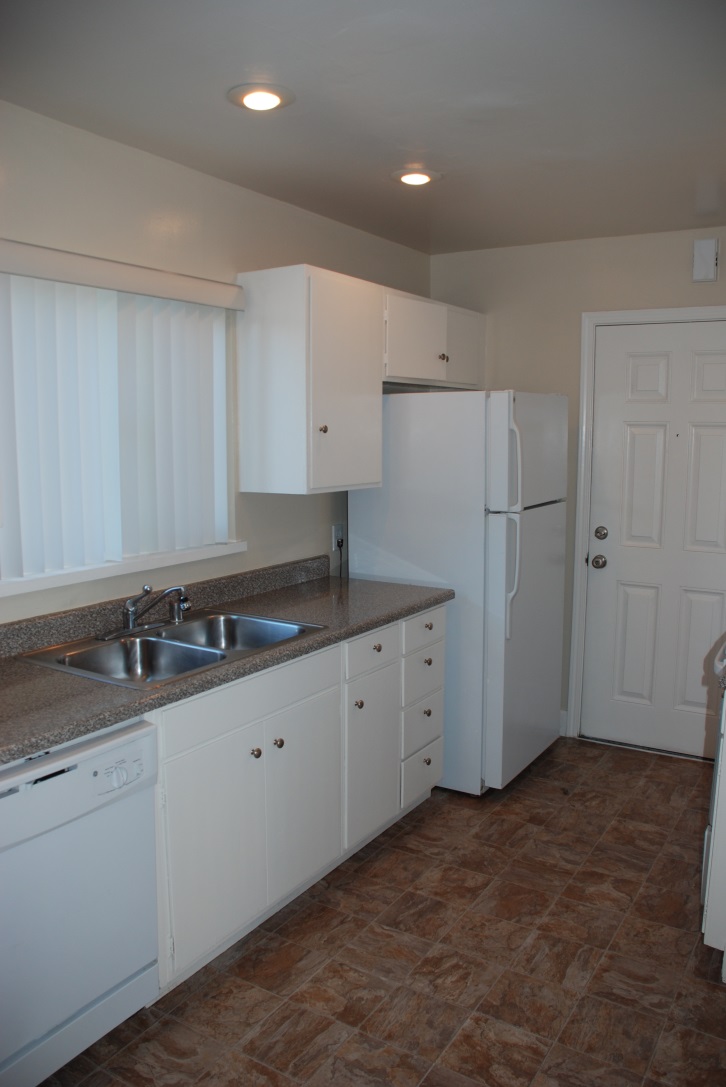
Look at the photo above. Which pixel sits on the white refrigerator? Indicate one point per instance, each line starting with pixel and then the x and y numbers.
pixel 473 498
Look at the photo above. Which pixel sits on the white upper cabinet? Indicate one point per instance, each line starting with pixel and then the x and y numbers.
pixel 430 342
pixel 309 381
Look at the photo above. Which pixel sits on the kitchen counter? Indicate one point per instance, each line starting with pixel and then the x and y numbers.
pixel 42 707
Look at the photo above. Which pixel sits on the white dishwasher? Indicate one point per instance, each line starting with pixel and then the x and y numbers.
pixel 78 923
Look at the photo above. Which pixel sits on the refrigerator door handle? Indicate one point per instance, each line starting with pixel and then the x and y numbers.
pixel 515 585
pixel 518 453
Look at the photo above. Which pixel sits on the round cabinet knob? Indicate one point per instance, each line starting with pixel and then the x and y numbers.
pixel 601 533
pixel 323 429
pixel 428 660
pixel 427 713
pixel 279 742
pixel 429 626
pixel 256 752
pixel 599 562
pixel 359 703
pixel 427 761
pixel 377 647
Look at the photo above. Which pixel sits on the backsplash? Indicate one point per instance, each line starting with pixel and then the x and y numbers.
pixel 64 626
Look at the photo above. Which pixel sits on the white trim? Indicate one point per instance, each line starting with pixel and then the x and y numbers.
pixel 20 258
pixel 590 324
pixel 158 561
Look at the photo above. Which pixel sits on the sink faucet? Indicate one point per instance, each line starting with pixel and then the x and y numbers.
pixel 132 612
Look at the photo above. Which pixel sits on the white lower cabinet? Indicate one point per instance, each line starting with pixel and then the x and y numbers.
pixel 267 782
pixel 423 704
pixel 251 810
pixel 302 756
pixel 371 717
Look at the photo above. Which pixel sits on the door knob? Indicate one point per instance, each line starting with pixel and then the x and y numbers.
pixel 359 703
pixel 377 647
pixel 428 660
pixel 323 429
pixel 427 760
pixel 279 742
pixel 601 533
pixel 256 752
pixel 599 562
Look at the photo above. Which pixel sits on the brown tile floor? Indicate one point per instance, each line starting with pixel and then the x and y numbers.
pixel 548 935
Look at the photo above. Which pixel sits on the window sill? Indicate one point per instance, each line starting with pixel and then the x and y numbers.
pixel 158 561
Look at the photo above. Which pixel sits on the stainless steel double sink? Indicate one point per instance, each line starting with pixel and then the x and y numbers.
pixel 150 658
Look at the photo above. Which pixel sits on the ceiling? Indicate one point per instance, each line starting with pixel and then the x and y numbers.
pixel 548 119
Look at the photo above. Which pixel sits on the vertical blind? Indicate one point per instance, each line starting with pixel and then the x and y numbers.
pixel 113 438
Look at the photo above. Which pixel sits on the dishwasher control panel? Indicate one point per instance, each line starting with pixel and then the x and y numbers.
pixel 62 785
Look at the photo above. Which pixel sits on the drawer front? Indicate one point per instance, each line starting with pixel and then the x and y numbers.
pixel 420 772
pixel 423 722
pixel 423 672
pixel 424 629
pixel 203 718
pixel 372 650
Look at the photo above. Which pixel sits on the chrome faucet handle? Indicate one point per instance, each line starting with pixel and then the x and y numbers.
pixel 134 600
pixel 129 608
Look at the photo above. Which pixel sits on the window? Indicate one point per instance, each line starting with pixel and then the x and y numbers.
pixel 113 433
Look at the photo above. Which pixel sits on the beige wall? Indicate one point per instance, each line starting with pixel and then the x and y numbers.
pixel 534 297
pixel 67 189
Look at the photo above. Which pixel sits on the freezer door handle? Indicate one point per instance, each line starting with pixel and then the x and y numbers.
pixel 517 505
pixel 515 583
pixel 719 664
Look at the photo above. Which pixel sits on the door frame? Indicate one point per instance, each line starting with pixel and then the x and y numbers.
pixel 591 321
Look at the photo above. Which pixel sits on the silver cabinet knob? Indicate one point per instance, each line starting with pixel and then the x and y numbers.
pixel 428 660
pixel 601 533
pixel 429 626
pixel 599 562
pixel 377 647
pixel 256 752
pixel 279 742
pixel 427 713
pixel 323 429
pixel 359 703
pixel 427 761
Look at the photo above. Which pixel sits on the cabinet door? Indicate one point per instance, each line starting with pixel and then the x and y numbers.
pixel 415 338
pixel 465 346
pixel 346 347
pixel 215 842
pixel 373 752
pixel 302 753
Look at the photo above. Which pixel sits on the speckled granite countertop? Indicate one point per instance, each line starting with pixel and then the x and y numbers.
pixel 42 707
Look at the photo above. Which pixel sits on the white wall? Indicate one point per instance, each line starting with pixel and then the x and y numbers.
pixel 534 297
pixel 67 189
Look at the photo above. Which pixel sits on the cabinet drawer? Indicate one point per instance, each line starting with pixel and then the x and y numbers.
pixel 421 630
pixel 423 672
pixel 423 722
pixel 420 772
pixel 372 650
pixel 203 718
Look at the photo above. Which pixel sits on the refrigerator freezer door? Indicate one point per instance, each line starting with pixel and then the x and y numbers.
pixel 526 450
pixel 523 639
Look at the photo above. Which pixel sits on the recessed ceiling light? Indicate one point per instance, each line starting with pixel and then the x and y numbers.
pixel 260 96
pixel 415 175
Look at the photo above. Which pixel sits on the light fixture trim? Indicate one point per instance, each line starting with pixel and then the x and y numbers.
pixel 265 96
pixel 416 176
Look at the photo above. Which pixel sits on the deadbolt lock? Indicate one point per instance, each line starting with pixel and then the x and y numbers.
pixel 601 533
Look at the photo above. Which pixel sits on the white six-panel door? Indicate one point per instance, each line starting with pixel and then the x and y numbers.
pixel 656 582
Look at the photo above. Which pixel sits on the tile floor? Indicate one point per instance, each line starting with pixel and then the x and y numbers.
pixel 544 936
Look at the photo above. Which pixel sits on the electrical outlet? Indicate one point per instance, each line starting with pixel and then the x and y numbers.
pixel 337 534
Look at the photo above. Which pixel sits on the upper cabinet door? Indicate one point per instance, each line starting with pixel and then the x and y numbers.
pixel 429 342
pixel 309 381
pixel 345 350
pixel 464 346
pixel 415 338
